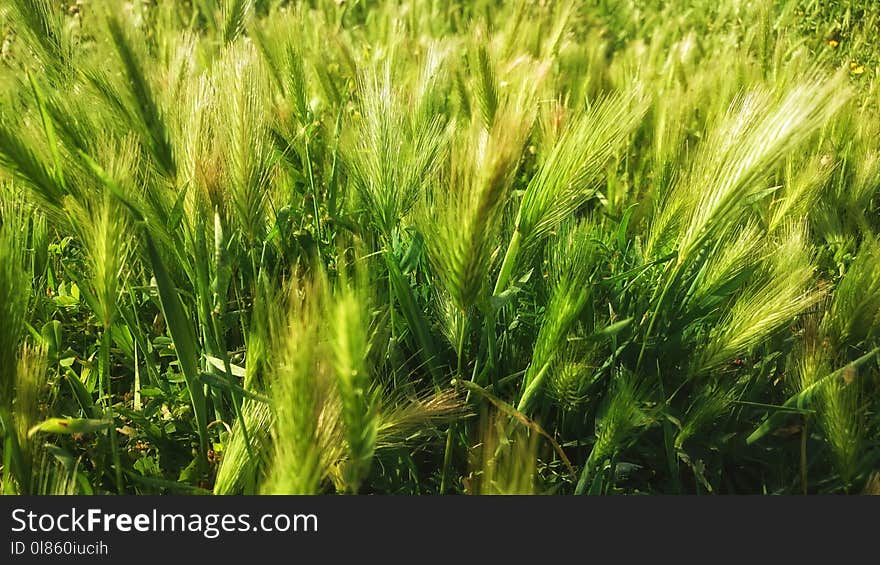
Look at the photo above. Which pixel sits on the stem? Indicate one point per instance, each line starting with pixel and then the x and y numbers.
pixel 237 400
pixel 804 457
pixel 653 321
pixel 508 263
pixel 108 411
pixel 459 352
pixel 314 190
pixel 491 346
pixel 585 477
pixel 114 450
pixel 106 336
pixel 507 266
pixel 391 306
pixel 137 380
pixel 671 444
pixel 531 388
pixel 447 460
pixel 447 454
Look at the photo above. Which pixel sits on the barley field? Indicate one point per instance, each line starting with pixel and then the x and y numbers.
pixel 428 247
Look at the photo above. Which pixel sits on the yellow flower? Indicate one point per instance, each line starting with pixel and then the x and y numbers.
pixel 856 68
pixel 833 43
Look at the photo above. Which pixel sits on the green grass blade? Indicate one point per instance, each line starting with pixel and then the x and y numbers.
pixel 184 341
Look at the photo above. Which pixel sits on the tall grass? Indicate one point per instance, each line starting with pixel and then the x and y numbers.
pixel 418 248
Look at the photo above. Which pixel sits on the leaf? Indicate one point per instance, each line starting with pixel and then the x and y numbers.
pixel 61 455
pixel 162 483
pixel 500 300
pixel 176 214
pixel 83 398
pixel 218 364
pixel 414 315
pixel 608 331
pixel 222 383
pixel 413 254
pixel 69 426
pixel 182 335
pixel 191 473
pixel 51 335
pixel 624 225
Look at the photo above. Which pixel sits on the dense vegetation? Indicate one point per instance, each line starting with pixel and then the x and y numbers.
pixel 256 246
